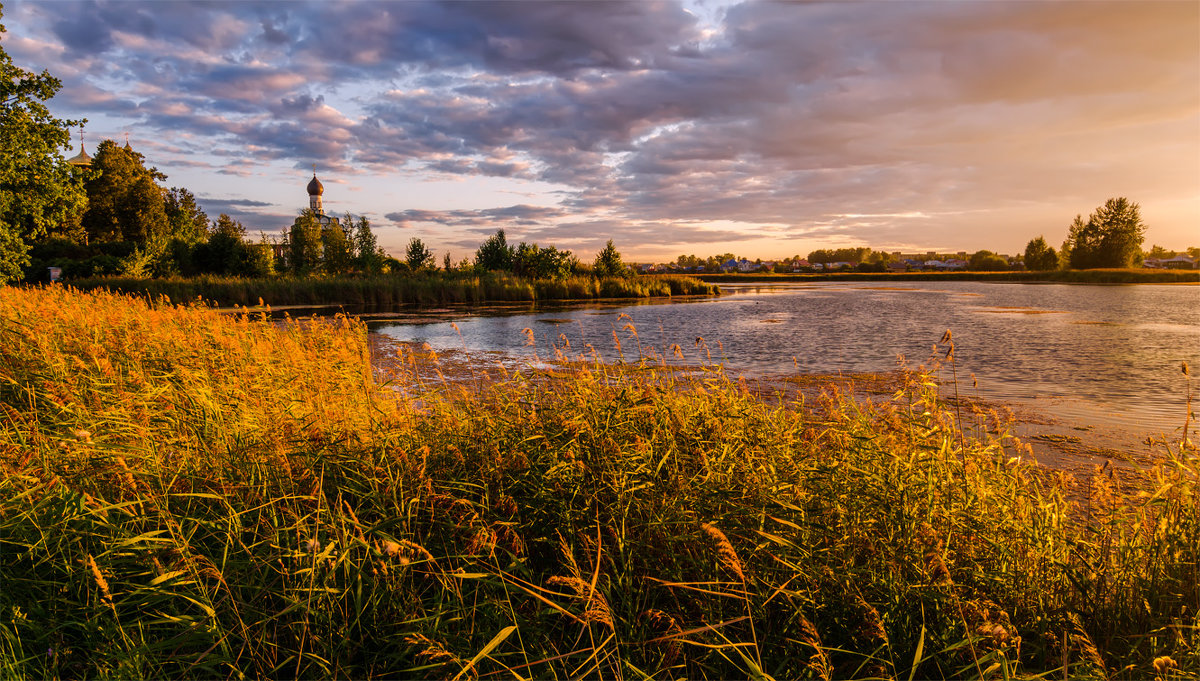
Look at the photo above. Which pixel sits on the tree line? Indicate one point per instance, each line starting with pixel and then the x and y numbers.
pixel 526 260
pixel 1110 237
pixel 114 216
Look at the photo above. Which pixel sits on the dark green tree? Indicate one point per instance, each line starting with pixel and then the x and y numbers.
pixel 336 250
pixel 224 251
pixel 40 193
pixel 125 203
pixel 1040 256
pixel 367 256
pixel 418 256
pixel 304 243
pixel 608 262
pixel 186 221
pixel 986 261
pixel 495 253
pixel 1111 237
pixel 259 260
pixel 534 262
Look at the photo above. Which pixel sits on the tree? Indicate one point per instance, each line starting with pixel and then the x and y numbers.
pixel 417 256
pixel 534 262
pixel 223 252
pixel 336 254
pixel 608 262
pixel 986 261
pixel 1159 252
pixel 1111 237
pixel 850 255
pixel 495 253
pixel 186 221
pixel 367 257
pixel 1039 255
pixel 124 201
pixel 39 191
pixel 304 243
pixel 881 257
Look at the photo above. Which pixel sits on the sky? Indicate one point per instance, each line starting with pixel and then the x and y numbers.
pixel 700 127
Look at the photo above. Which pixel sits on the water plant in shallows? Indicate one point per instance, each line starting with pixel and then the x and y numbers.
pixel 191 494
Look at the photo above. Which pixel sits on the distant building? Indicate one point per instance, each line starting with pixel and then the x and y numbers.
pixel 315 192
pixel 1178 262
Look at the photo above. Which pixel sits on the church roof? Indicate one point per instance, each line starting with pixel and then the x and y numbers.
pixel 80 159
pixel 315 188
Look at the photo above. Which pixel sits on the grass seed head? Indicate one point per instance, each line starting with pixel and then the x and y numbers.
pixel 725 552
pixel 1164 664
pixel 98 577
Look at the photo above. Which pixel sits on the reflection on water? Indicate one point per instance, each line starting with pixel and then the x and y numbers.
pixel 1104 355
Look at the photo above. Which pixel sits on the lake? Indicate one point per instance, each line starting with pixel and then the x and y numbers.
pixel 1096 356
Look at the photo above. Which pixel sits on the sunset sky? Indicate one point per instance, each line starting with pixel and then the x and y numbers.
pixel 763 129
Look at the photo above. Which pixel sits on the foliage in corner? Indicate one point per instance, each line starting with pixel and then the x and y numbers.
pixel 40 193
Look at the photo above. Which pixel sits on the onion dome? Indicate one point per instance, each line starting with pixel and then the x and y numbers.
pixel 315 188
pixel 80 159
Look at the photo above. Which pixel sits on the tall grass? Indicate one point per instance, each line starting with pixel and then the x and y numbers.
pixel 424 289
pixel 187 494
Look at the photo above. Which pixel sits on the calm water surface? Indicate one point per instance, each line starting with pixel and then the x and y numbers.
pixel 1095 355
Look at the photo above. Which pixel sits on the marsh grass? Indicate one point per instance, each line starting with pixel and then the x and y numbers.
pixel 435 288
pixel 189 494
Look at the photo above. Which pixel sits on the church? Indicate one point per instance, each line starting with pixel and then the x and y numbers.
pixel 316 209
pixel 315 190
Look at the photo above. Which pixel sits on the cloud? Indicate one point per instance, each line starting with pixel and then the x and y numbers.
pixel 494 218
pixel 648 121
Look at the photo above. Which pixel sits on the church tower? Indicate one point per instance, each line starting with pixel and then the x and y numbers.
pixel 315 189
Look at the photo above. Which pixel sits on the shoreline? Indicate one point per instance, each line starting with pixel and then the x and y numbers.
pixel 1100 276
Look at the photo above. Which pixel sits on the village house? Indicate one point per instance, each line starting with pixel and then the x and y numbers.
pixel 1178 262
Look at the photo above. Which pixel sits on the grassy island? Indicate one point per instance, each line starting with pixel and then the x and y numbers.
pixel 432 288
pixel 194 495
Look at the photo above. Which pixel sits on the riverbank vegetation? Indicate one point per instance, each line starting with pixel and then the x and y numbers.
pixel 429 288
pixel 189 494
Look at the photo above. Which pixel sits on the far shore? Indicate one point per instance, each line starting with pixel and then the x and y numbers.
pixel 1099 276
